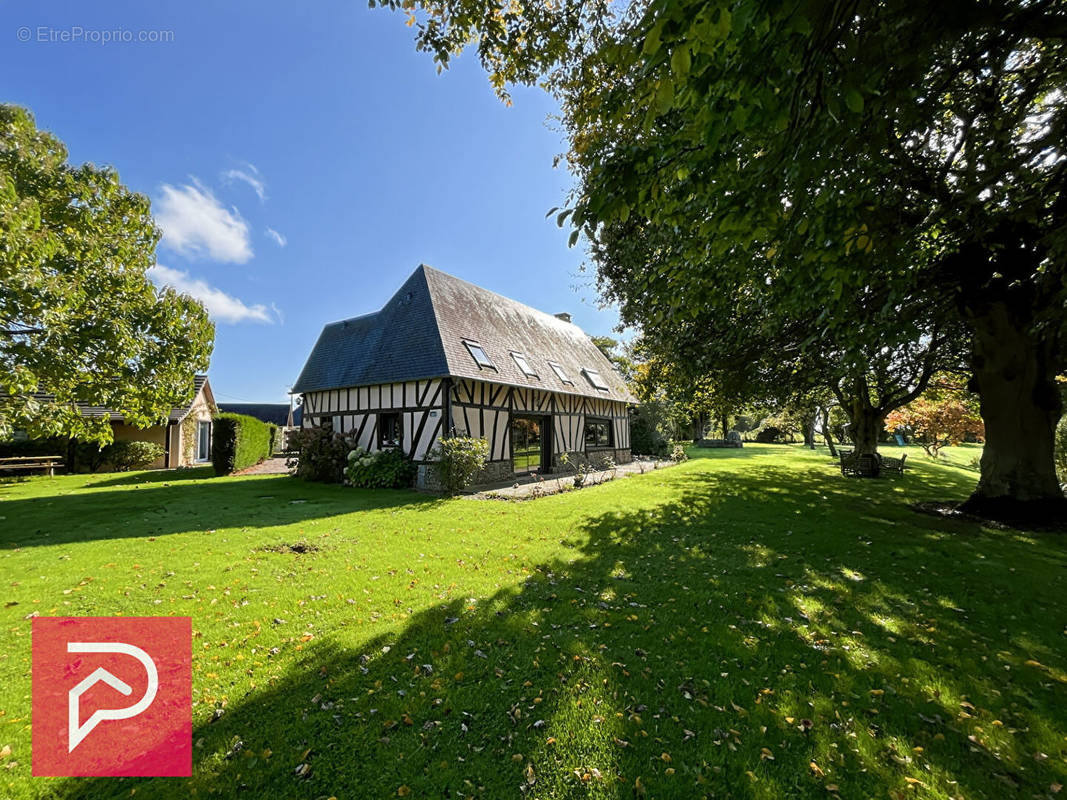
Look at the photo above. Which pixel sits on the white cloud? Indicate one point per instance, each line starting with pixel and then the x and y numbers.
pixel 278 239
pixel 219 305
pixel 250 175
pixel 195 224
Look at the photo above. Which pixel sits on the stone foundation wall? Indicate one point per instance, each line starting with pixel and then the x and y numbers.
pixel 494 472
pixel 621 456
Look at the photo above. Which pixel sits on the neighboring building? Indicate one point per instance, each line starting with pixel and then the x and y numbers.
pixel 278 413
pixel 186 436
pixel 443 356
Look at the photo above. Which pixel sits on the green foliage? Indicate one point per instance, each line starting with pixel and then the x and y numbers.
pixel 239 441
pixel 817 183
pixel 319 454
pixel 646 433
pixel 679 454
pixel 384 469
pixel 459 460
pixel 126 455
pixel 33 447
pixel 80 321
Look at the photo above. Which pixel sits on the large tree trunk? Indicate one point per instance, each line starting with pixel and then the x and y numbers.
pixel 1014 374
pixel 725 424
pixel 866 425
pixel 825 414
pixel 808 427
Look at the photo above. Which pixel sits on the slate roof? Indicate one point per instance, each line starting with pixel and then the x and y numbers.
pixel 278 413
pixel 176 414
pixel 420 333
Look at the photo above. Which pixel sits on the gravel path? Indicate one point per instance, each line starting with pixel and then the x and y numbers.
pixel 272 466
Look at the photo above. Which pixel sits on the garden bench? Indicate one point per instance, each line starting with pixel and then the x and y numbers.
pixel 865 465
pixel 31 462
pixel 870 465
pixel 890 464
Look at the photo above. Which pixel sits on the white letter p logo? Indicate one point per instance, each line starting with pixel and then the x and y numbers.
pixel 76 733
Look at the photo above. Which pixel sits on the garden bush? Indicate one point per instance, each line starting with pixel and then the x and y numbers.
pixel 385 469
pixel 770 434
pixel 459 460
pixel 319 454
pixel 678 453
pixel 124 456
pixel 238 441
pixel 645 436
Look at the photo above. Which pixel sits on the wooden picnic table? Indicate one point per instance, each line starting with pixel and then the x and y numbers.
pixel 32 462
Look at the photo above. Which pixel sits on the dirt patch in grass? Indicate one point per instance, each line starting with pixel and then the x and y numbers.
pixel 295 547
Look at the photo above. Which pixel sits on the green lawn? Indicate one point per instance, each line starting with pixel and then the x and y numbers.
pixel 747 624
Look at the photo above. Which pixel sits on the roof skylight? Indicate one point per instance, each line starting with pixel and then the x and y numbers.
pixel 481 358
pixel 560 373
pixel 594 378
pixel 524 365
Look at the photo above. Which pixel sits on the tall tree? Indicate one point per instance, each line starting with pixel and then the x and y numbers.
pixel 903 154
pixel 80 323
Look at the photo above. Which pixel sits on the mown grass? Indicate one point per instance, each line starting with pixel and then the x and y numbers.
pixel 748 624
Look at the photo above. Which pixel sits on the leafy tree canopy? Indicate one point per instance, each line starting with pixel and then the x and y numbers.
pixel 864 159
pixel 80 323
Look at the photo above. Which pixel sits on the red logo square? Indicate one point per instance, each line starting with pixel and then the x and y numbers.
pixel 112 696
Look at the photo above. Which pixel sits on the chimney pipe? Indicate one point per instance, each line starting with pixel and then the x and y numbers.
pixel 564 315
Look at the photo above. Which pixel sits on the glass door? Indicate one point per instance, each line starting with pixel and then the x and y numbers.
pixel 526 444
pixel 203 441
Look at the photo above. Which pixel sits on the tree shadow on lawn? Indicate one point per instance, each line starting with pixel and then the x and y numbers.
pixel 149 508
pixel 151 476
pixel 731 643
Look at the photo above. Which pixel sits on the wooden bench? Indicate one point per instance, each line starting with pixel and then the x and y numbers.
pixel 32 462
pixel 870 465
pixel 896 465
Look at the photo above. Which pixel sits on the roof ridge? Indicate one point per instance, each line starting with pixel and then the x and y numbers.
pixel 504 297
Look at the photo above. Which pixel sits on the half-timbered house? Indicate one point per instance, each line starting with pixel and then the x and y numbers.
pixel 445 357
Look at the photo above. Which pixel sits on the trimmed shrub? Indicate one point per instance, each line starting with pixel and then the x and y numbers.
pixel 678 454
pixel 385 469
pixel 459 460
pixel 319 455
pixel 238 441
pixel 124 456
pixel 645 436
pixel 770 434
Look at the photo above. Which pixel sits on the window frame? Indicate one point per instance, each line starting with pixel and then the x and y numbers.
pixel 560 373
pixel 205 457
pixel 603 384
pixel 523 363
pixel 391 445
pixel 473 345
pixel 609 428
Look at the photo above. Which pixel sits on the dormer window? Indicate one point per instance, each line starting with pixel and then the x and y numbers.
pixel 481 358
pixel 524 365
pixel 560 373
pixel 595 379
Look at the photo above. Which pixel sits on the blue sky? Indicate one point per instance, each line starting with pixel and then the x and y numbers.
pixel 302 160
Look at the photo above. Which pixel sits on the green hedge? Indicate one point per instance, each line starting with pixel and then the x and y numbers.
pixel 239 441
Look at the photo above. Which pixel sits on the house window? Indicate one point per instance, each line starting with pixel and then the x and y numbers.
pixel 594 378
pixel 598 433
pixel 203 440
pixel 524 365
pixel 389 432
pixel 558 369
pixel 481 358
